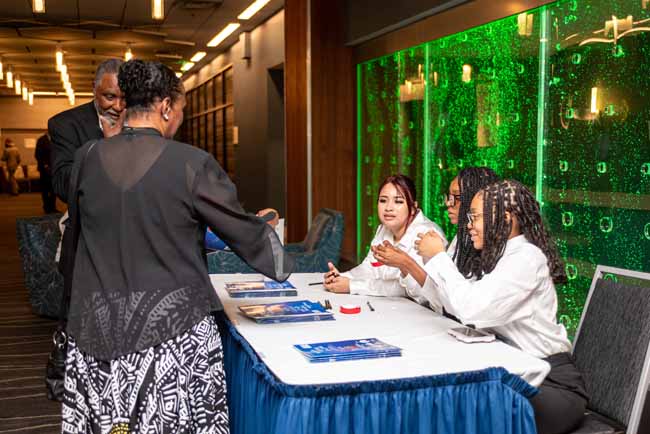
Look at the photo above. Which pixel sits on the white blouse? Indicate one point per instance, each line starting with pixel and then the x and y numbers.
pixel 517 300
pixel 387 281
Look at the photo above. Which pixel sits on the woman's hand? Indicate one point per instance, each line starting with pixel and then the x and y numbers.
pixel 334 282
pixel 388 254
pixel 429 245
pixel 274 221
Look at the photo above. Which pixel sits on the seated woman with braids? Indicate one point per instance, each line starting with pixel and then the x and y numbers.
pixel 511 292
pixel 392 266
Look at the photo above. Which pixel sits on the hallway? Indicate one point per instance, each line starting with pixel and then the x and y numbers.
pixel 25 339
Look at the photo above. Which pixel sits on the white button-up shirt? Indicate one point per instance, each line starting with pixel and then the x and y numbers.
pixel 387 281
pixel 517 300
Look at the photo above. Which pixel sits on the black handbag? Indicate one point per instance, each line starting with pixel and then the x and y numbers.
pixel 55 370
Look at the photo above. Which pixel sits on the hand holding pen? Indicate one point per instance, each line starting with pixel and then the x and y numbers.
pixel 334 282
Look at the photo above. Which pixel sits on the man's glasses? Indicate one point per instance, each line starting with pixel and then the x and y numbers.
pixel 452 199
pixel 471 218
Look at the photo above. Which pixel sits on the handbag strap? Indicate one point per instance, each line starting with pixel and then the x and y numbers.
pixel 75 227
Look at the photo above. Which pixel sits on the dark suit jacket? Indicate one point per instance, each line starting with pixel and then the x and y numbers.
pixel 69 131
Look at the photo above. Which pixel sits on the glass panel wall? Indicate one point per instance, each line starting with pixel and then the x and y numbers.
pixel 555 98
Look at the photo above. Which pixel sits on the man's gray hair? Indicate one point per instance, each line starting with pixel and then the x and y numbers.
pixel 110 66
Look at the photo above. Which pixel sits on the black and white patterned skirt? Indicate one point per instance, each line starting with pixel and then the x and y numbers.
pixel 178 387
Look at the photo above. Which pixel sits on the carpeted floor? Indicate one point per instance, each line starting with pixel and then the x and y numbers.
pixel 25 339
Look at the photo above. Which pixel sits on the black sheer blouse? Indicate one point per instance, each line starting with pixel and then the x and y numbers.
pixel 140 276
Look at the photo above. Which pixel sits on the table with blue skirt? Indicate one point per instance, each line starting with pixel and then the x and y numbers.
pixel 438 385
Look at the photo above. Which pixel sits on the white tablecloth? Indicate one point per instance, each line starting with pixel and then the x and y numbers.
pixel 421 333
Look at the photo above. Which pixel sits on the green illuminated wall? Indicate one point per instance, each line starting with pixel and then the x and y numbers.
pixel 557 98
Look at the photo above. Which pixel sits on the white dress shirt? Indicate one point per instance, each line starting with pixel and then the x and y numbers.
pixel 517 300
pixel 387 281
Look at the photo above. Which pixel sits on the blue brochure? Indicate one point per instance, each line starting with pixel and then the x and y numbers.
pixel 260 288
pixel 370 348
pixel 291 311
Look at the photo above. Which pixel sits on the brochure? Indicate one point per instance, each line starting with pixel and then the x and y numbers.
pixel 369 348
pixel 291 311
pixel 260 288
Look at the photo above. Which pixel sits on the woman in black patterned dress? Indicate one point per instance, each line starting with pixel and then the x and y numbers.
pixel 144 353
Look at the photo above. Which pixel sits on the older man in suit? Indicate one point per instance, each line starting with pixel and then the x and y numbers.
pixel 102 117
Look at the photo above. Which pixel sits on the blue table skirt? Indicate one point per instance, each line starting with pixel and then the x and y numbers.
pixel 486 401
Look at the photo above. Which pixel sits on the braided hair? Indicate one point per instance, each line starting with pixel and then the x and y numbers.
pixel 514 197
pixel 470 181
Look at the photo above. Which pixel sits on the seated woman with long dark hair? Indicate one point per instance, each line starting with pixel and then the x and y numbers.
pixel 392 266
pixel 511 292
pixel 144 352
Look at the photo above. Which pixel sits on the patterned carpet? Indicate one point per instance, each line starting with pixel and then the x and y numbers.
pixel 25 339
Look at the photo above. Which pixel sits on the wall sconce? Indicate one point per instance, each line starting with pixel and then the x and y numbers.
pixel 158 9
pixel 594 100
pixel 467 73
pixel 10 77
pixel 38 6
pixel 525 24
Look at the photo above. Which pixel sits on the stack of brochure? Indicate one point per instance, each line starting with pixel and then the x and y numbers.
pixel 370 348
pixel 291 311
pixel 260 288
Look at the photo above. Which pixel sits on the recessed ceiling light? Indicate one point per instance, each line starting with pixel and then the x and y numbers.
pixel 219 37
pixel 252 9
pixel 198 56
pixel 187 66
pixel 38 6
pixel 158 9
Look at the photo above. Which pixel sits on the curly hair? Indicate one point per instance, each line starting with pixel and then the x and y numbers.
pixel 144 83
pixel 515 198
pixel 470 181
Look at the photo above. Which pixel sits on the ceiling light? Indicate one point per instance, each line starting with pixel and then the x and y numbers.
pixel 219 37
pixel 84 94
pixel 187 66
pixel 198 56
pixel 10 77
pixel 30 97
pixel 59 57
pixel 158 9
pixel 17 85
pixel 42 93
pixel 38 6
pixel 71 99
pixel 178 42
pixel 252 9
pixel 25 92
pixel 169 56
pixel 179 74
pixel 128 54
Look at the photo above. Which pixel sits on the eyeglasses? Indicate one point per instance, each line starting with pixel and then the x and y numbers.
pixel 471 218
pixel 451 199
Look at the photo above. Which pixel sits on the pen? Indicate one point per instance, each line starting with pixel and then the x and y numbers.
pixel 372 309
pixel 315 283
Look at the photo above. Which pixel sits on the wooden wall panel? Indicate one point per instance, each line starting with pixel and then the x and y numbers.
pixel 295 42
pixel 333 118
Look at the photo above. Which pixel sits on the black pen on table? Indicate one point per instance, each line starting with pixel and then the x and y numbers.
pixel 372 309
pixel 321 283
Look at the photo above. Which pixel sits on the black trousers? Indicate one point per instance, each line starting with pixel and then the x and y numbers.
pixel 47 193
pixel 561 402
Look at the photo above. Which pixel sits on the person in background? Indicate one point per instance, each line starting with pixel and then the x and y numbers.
pixel 11 156
pixel 392 266
pixel 144 352
pixel 43 157
pixel 99 118
pixel 511 293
